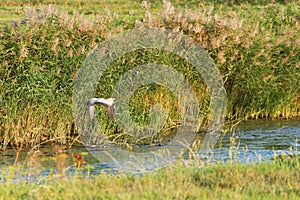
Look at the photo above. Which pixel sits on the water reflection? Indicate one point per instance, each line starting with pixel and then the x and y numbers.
pixel 261 140
pixel 253 141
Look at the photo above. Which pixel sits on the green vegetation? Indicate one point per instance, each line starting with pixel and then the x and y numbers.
pixel 256 47
pixel 277 179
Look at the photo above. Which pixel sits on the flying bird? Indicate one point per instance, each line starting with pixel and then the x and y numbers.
pixel 107 103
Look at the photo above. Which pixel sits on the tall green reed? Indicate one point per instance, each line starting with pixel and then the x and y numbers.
pixel 40 57
pixel 255 47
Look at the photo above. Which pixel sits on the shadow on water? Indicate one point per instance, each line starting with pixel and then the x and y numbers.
pixel 252 141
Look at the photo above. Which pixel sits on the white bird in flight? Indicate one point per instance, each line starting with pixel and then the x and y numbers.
pixel 107 103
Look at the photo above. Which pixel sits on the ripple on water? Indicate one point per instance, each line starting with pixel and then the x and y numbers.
pixel 258 140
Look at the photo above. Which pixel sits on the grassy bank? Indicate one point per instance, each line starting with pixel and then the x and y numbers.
pixel 256 47
pixel 276 179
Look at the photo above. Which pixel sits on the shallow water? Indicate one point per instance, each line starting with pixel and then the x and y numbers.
pixel 261 140
pixel 257 140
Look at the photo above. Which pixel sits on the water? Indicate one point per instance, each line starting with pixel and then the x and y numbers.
pixel 253 141
pixel 261 140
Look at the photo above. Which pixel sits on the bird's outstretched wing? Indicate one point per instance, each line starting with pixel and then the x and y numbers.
pixel 91 111
pixel 107 103
pixel 111 112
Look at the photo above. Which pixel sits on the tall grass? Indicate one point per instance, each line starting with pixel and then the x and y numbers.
pixel 257 49
pixel 39 61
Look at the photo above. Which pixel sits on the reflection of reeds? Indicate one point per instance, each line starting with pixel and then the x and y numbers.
pixel 192 179
pixel 257 51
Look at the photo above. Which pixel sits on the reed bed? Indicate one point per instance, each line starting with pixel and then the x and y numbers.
pixel 256 47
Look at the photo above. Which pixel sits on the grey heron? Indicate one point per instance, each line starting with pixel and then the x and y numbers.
pixel 107 103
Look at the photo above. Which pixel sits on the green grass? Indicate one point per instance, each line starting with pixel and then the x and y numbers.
pixel 255 46
pixel 126 10
pixel 276 179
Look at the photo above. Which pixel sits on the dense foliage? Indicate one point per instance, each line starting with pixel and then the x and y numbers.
pixel 257 49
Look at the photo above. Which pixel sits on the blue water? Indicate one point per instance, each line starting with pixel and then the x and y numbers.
pixel 253 141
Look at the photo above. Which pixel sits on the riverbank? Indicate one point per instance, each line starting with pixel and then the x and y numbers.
pixel 277 179
pixel 255 46
pixel 260 162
